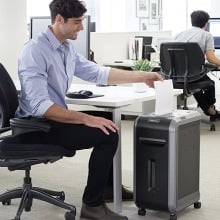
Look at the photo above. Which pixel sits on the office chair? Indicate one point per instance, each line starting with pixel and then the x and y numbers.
pixel 17 156
pixel 184 63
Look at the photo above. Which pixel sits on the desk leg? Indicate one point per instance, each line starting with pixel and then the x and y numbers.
pixel 117 165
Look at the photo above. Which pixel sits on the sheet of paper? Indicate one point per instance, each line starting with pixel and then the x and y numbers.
pixel 164 97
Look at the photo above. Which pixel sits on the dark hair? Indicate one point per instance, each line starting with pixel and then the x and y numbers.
pixel 67 9
pixel 199 18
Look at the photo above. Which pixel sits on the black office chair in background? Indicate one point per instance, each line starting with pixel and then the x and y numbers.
pixel 184 63
pixel 17 156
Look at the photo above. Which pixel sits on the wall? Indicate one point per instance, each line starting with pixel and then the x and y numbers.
pixel 13 32
pixel 176 14
pixel 37 8
pixel 214 9
pixel 120 15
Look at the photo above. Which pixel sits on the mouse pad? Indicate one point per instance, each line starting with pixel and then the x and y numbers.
pixel 94 96
pixel 75 95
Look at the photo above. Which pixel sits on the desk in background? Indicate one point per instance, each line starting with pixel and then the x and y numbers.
pixel 127 64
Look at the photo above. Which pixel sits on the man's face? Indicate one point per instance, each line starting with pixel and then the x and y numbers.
pixel 72 26
pixel 68 29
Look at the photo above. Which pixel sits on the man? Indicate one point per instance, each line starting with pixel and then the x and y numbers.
pixel 206 97
pixel 46 69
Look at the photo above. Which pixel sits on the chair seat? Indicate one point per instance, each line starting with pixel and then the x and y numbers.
pixel 20 156
pixel 9 150
pixel 194 86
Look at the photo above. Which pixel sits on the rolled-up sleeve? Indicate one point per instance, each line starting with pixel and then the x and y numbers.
pixel 90 71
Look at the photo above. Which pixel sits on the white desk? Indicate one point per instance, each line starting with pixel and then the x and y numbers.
pixel 115 97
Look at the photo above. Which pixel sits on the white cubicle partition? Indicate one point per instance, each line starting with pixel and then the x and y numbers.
pixel 111 46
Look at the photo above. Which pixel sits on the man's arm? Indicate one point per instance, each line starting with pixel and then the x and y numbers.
pixel 118 76
pixel 210 56
pixel 60 114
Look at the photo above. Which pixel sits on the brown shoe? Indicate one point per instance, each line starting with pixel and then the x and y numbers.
pixel 127 195
pixel 215 117
pixel 211 110
pixel 101 212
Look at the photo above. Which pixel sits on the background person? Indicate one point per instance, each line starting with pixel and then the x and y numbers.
pixel 197 33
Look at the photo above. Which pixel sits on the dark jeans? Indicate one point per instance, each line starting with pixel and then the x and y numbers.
pixel 206 97
pixel 78 137
pixel 107 115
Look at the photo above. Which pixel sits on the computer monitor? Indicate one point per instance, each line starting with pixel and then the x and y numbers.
pixel 92 26
pixel 214 28
pixel 82 43
pixel 147 47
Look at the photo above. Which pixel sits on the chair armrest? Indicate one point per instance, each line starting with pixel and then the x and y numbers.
pixel 5 129
pixel 211 67
pixel 4 133
pixel 27 125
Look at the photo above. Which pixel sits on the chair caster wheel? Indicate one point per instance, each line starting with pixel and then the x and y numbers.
pixel 16 218
pixel 212 128
pixel 28 206
pixel 70 215
pixel 197 205
pixel 173 216
pixel 62 196
pixel 141 212
pixel 27 209
pixel 6 202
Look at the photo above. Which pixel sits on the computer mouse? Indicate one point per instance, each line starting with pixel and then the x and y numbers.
pixel 86 92
pixel 82 94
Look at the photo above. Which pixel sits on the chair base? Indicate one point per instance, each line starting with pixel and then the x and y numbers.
pixel 27 193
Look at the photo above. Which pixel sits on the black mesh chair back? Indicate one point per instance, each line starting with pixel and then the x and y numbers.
pixel 182 62
pixel 8 97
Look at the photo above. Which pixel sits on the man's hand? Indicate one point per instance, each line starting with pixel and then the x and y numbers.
pixel 99 122
pixel 150 77
pixel 60 114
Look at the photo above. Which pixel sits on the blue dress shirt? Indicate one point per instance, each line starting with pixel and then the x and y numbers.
pixel 46 69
